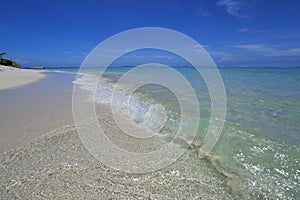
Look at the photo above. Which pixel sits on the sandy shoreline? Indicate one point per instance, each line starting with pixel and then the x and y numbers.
pixel 30 111
pixel 12 77
pixel 60 162
pixel 39 163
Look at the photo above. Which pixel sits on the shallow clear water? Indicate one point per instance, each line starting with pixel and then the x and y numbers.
pixel 259 147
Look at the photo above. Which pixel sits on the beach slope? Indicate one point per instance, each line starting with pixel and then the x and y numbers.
pixel 12 77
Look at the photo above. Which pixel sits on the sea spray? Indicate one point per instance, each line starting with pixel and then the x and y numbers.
pixel 142 109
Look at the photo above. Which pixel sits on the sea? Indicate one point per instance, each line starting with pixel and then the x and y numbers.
pixel 259 147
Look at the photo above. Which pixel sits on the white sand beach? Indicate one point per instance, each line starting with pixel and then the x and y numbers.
pixel 11 77
pixel 41 152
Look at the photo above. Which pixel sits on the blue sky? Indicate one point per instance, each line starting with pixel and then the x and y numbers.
pixel 234 32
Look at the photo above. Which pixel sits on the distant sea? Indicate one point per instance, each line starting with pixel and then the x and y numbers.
pixel 260 142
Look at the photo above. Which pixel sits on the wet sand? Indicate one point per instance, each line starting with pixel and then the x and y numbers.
pixel 30 111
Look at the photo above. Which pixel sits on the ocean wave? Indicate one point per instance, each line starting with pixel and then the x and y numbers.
pixel 142 110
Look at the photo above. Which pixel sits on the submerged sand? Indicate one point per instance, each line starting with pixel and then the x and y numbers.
pixel 13 77
pixel 59 166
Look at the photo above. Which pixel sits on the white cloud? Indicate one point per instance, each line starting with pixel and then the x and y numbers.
pixel 251 30
pixel 289 52
pixel 269 51
pixel 20 61
pixel 220 54
pixel 244 30
pixel 222 57
pixel 203 12
pixel 233 7
pixel 67 52
pixel 254 47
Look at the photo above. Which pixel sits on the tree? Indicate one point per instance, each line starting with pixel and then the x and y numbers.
pixel 8 62
pixel 2 54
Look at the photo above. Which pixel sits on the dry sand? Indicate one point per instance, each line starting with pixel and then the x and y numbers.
pixel 12 77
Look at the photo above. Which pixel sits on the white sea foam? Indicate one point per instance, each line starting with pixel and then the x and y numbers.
pixel 149 114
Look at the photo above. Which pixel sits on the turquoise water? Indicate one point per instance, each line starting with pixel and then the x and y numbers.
pixel 262 132
pixel 259 146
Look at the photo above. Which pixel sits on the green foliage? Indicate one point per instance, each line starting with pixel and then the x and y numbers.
pixel 7 62
pixel 2 54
